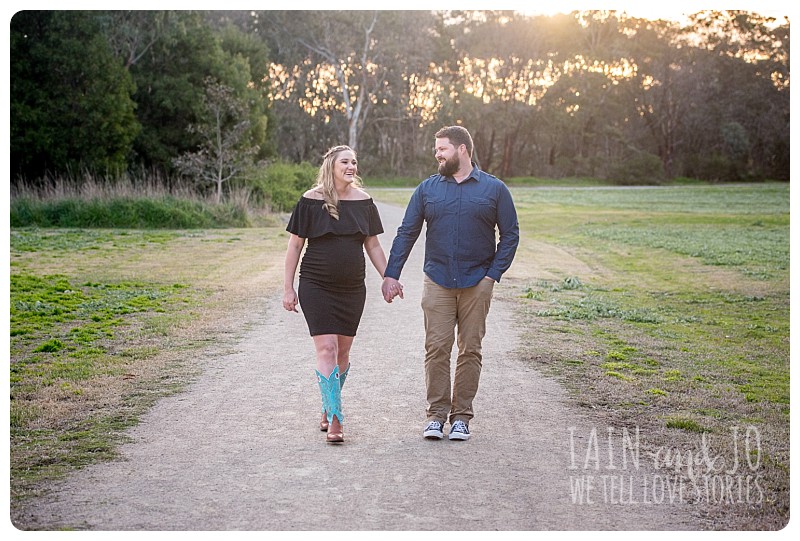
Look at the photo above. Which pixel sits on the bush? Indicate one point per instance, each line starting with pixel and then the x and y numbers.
pixel 641 168
pixel 281 184
pixel 714 167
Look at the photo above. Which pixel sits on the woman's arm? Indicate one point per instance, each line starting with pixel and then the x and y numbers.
pixel 378 258
pixel 375 253
pixel 293 252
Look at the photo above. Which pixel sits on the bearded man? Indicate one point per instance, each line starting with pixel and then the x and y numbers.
pixel 463 209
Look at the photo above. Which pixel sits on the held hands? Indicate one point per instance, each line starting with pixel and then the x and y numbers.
pixel 290 301
pixel 391 288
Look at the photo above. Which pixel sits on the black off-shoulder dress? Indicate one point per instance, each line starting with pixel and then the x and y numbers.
pixel 331 289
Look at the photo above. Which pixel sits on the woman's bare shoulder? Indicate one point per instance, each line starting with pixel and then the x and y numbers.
pixel 313 193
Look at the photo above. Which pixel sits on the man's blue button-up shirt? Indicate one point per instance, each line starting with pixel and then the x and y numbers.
pixel 462 219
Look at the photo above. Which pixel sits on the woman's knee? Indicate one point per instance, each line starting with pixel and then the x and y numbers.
pixel 326 347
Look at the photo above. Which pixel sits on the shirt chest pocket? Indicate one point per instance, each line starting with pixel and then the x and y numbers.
pixel 480 207
pixel 434 207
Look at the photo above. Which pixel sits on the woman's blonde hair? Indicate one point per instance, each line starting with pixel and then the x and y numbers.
pixel 325 182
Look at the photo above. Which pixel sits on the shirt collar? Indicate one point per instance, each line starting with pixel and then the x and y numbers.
pixel 474 174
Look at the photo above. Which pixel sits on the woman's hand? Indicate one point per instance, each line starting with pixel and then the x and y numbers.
pixel 391 288
pixel 290 300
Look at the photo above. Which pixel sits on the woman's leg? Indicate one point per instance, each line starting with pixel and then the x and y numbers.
pixel 333 351
pixel 343 345
pixel 326 346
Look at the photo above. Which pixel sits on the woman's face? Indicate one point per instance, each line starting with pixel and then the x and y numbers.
pixel 345 167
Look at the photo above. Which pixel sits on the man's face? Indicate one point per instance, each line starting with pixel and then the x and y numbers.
pixel 447 156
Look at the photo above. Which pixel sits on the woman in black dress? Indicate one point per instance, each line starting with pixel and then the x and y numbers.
pixel 340 222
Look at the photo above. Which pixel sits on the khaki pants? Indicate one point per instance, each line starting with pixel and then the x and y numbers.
pixel 445 309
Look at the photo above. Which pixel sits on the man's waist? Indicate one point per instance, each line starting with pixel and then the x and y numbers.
pixel 455 278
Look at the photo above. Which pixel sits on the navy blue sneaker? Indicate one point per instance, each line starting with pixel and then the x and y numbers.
pixel 459 431
pixel 433 430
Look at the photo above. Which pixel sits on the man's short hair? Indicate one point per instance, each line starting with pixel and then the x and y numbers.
pixel 458 136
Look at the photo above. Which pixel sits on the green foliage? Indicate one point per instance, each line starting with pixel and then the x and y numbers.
pixel 116 306
pixel 58 241
pixel 171 83
pixel 737 143
pixel 757 249
pixel 251 49
pixel 126 212
pixel 641 168
pixel 712 166
pixel 62 336
pixel 596 306
pixel 71 105
pixel 678 203
pixel 281 184
pixel 69 322
pixel 685 424
pixel 51 346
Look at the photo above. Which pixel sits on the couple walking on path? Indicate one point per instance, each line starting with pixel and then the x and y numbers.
pixel 463 209
pixel 227 452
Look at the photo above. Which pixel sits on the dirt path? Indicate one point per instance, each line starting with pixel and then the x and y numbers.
pixel 240 449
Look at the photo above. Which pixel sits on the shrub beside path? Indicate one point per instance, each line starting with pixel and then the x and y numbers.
pixel 240 449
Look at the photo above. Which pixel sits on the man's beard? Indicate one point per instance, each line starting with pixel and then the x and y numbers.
pixel 449 167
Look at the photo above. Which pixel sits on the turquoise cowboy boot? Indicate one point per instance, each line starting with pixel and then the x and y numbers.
pixel 330 389
pixel 323 424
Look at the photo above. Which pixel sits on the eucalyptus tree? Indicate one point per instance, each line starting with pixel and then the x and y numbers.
pixel 343 51
pixel 658 87
pixel 399 133
pixel 496 67
pixel 744 82
pixel 131 34
pixel 339 67
pixel 249 58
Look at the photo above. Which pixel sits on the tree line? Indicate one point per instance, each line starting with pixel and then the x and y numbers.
pixel 213 95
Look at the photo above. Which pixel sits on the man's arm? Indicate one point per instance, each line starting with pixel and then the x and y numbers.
pixel 508 225
pixel 407 235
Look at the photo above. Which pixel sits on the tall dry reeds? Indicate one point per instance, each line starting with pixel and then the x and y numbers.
pixel 90 186
pixel 128 201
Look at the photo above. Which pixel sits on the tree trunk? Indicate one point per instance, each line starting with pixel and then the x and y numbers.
pixel 508 155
